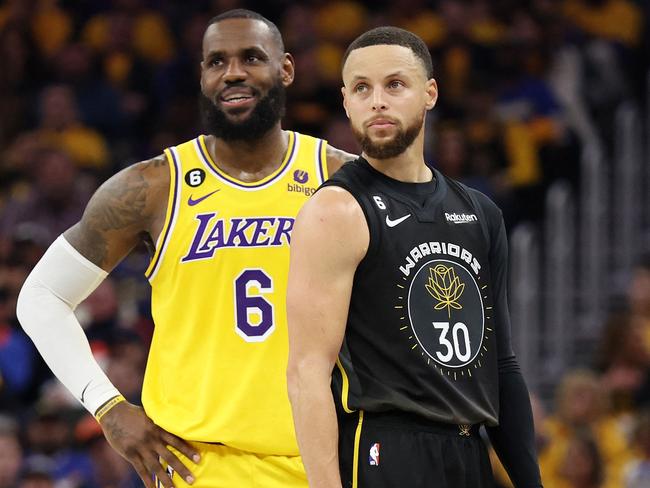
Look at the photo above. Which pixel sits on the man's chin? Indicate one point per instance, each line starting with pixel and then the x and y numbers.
pixel 384 148
pixel 380 144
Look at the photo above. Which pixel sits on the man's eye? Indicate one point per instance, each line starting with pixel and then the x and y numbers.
pixel 216 62
pixel 360 88
pixel 252 59
pixel 395 84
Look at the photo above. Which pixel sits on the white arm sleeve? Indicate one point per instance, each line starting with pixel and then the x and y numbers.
pixel 58 283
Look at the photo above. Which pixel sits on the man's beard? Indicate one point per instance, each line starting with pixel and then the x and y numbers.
pixel 265 115
pixel 392 148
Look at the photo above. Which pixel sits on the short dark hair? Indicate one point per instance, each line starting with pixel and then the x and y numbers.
pixel 242 13
pixel 393 36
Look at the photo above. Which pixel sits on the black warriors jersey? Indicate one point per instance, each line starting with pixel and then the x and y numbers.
pixel 422 332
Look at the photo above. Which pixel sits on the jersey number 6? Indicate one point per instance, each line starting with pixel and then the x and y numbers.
pixel 254 315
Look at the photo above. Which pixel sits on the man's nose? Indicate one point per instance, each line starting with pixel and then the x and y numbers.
pixel 234 71
pixel 378 101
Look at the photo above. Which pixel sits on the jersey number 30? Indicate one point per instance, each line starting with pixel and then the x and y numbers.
pixel 254 314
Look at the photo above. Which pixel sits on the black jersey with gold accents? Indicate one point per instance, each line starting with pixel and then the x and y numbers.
pixel 428 319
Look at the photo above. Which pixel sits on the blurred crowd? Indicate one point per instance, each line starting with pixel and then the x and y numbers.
pixel 89 87
pixel 595 433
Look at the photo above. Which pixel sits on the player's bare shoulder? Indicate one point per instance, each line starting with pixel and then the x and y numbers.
pixel 332 216
pixel 128 208
pixel 336 158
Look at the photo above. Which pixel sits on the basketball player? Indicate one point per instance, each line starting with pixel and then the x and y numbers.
pixel 217 213
pixel 397 299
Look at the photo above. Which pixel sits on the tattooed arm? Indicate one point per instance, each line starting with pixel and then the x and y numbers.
pixel 336 158
pixel 128 208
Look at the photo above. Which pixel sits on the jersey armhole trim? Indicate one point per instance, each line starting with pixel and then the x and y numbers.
pixel 345 388
pixel 321 161
pixel 170 215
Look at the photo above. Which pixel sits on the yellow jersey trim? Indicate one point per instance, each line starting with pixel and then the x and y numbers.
pixel 170 214
pixel 204 155
pixel 355 457
pixel 345 388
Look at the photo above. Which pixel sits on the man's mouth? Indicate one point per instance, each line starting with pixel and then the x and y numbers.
pixel 236 97
pixel 381 123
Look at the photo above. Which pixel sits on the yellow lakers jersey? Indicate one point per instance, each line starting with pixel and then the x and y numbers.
pixel 216 368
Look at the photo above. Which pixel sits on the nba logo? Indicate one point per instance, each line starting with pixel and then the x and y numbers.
pixel 373 458
pixel 300 176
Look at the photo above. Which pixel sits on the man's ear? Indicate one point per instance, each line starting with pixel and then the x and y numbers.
pixel 432 93
pixel 345 102
pixel 288 69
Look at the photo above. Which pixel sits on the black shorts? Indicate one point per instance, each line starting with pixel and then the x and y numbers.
pixel 398 451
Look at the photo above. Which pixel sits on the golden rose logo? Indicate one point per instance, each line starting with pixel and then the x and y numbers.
pixel 445 286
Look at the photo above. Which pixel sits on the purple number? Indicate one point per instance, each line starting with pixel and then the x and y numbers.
pixel 246 304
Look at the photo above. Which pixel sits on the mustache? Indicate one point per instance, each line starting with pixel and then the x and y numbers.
pixel 381 117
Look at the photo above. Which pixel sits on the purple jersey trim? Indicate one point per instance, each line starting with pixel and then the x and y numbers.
pixel 321 173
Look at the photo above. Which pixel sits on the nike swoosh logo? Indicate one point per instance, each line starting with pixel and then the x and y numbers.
pixel 393 223
pixel 84 391
pixel 191 202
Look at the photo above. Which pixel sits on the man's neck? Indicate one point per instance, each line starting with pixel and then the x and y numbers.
pixel 408 167
pixel 250 160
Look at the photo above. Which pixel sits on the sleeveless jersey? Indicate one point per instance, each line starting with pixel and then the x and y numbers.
pixel 217 364
pixel 421 335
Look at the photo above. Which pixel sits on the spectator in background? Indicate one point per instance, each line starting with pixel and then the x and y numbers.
pixel 581 409
pixel 10 452
pixel 148 34
pixel 607 33
pixel 529 113
pixel 451 151
pixel 618 21
pixel 98 102
pixel 175 88
pixel 639 297
pixel 60 125
pixel 21 68
pixel 56 200
pixel 415 16
pixel 637 471
pixel 50 444
pixel 17 357
pixel 131 41
pixel 624 361
pixel 51 27
pixel 582 466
